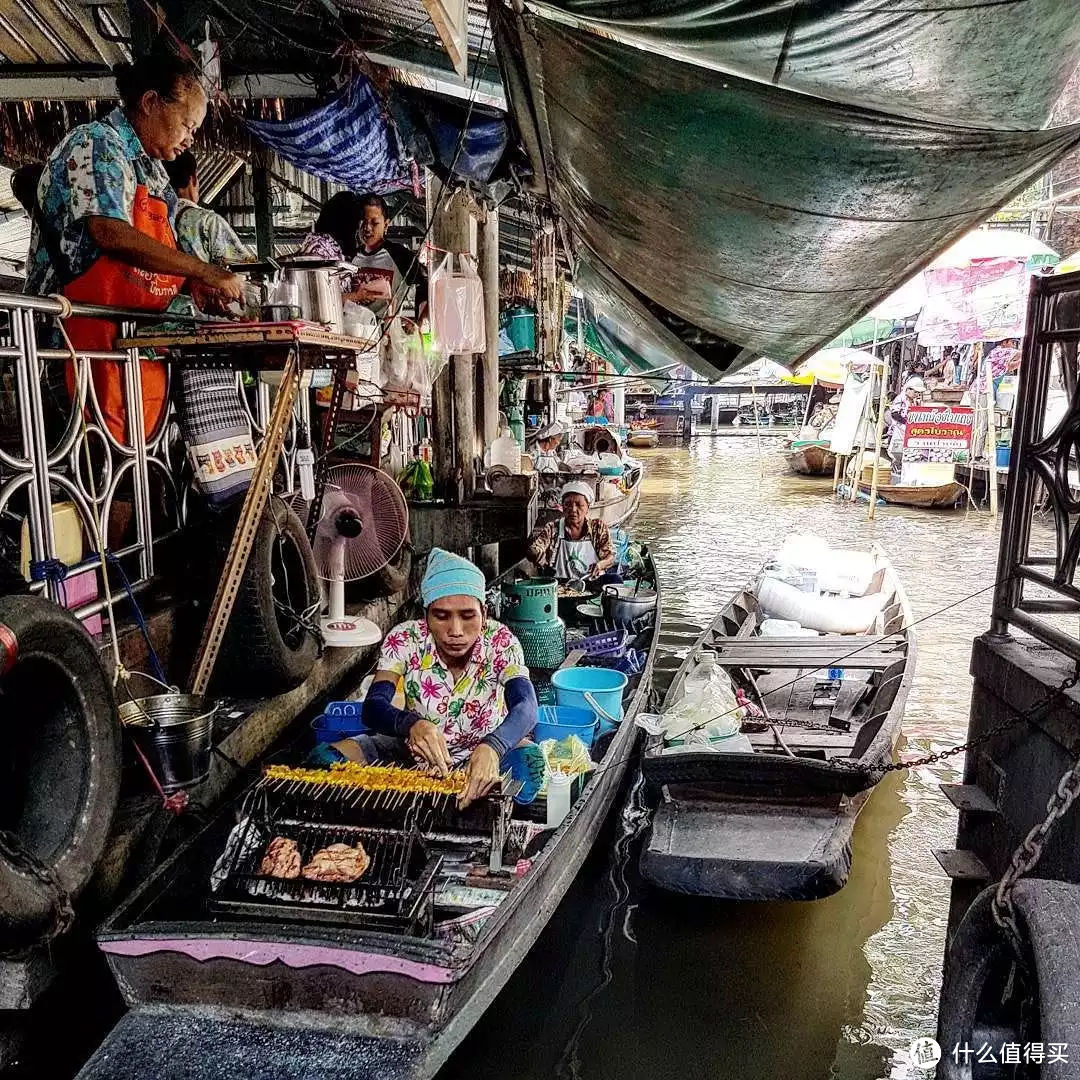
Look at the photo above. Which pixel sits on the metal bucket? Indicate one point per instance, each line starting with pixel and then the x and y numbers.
pixel 175 732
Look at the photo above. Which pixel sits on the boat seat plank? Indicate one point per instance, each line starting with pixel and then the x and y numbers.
pixel 799 738
pixel 852 641
pixel 850 696
pixel 781 659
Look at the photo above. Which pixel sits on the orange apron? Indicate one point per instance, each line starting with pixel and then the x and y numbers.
pixel 116 283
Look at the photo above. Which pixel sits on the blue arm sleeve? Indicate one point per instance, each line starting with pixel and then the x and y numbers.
pixel 381 716
pixel 520 717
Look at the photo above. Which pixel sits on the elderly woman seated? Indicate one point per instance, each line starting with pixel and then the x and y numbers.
pixel 468 697
pixel 574 546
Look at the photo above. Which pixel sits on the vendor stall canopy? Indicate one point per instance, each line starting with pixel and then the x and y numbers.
pixel 767 171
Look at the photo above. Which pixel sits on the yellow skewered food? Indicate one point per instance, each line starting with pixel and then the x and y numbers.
pixel 350 774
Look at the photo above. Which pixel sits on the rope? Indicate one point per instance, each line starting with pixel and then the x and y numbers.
pixel 53 571
pixel 159 671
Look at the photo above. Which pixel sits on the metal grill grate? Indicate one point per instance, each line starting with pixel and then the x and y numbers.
pixel 393 893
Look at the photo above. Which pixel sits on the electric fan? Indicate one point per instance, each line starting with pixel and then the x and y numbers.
pixel 363 524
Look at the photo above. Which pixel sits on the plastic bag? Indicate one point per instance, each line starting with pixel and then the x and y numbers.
pixel 456 304
pixel 569 755
pixel 708 711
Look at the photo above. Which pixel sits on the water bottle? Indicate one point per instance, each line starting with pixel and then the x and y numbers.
pixel 836 675
pixel 558 798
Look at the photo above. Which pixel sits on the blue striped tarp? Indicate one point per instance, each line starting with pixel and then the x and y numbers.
pixel 346 141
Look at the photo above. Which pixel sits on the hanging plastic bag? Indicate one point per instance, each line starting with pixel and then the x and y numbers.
pixel 456 304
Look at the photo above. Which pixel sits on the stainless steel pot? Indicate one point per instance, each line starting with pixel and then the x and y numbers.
pixel 318 294
pixel 622 604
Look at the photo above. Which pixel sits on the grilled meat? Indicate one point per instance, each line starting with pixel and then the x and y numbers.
pixel 338 862
pixel 282 859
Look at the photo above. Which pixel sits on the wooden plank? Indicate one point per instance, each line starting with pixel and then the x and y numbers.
pixel 750 658
pixel 849 697
pixel 851 641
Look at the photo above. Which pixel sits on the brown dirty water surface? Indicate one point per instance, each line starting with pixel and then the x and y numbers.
pixel 704 990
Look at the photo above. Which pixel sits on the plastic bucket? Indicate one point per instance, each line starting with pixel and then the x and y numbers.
pixel 174 731
pixel 560 721
pixel 330 728
pixel 605 686
pixel 1003 454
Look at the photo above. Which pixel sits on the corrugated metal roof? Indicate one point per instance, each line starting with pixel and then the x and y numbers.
pixel 62 32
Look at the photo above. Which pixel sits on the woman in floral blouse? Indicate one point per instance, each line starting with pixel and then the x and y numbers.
pixel 468 698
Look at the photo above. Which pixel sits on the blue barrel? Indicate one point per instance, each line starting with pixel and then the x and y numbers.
pixel 602 684
pixel 560 721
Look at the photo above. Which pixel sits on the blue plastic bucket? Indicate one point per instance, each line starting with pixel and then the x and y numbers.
pixel 1003 455
pixel 559 721
pixel 604 685
pixel 335 725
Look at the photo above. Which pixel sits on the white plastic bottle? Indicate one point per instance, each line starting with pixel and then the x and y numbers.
pixel 558 798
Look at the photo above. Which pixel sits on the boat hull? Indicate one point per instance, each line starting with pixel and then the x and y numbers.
pixel 642 439
pixel 770 825
pixel 938 497
pixel 811 460
pixel 733 851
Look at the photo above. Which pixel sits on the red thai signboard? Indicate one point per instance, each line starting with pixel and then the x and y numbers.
pixel 942 428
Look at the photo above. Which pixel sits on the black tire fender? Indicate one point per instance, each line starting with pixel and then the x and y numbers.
pixel 62 781
pixel 256 654
pixel 980 957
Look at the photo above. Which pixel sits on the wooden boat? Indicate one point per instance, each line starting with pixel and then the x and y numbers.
pixel 643 438
pixel 931 497
pixel 776 824
pixel 620 510
pixel 320 993
pixel 810 458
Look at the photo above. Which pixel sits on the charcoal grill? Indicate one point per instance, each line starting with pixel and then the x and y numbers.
pixel 394 894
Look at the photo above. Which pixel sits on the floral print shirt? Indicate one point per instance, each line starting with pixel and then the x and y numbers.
pixel 92 173
pixel 471 708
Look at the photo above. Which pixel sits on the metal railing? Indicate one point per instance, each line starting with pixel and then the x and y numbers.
pixel 57 448
pixel 1044 465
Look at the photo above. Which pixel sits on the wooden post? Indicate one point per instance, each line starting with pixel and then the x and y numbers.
pixel 991 438
pixel 489 275
pixel 714 414
pixel 863 417
pixel 264 209
pixel 453 410
pixel 877 436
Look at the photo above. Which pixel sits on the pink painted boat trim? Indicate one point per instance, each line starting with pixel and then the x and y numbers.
pixel 262 953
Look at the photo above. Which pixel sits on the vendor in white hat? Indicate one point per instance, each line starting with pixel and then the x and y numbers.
pixel 545 454
pixel 575 546
pixel 910 394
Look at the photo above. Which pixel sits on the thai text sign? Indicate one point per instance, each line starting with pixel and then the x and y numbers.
pixel 938 427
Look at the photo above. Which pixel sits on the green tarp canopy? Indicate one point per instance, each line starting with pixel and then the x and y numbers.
pixel 767 170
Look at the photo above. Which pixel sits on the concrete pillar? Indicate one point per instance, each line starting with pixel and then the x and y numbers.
pixel 688 415
pixel 618 393
pixel 714 414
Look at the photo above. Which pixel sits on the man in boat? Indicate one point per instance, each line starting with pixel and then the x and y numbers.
pixel 468 698
pixel 546 456
pixel 575 546
pixel 911 394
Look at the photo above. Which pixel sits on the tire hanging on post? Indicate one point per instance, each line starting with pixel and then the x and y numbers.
pixel 62 765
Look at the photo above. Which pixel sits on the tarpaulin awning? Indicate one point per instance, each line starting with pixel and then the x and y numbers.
pixel 777 215
pixel 645 342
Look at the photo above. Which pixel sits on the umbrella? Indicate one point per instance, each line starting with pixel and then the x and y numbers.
pixel 981 244
pixel 831 366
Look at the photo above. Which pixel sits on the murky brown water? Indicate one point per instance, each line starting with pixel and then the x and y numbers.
pixel 721 991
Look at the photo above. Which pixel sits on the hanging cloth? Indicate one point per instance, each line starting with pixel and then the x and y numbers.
pixel 116 283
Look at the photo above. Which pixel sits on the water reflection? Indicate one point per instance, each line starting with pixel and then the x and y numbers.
pixel 833 988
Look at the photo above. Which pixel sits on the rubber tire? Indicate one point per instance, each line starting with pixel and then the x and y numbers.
pixel 62 726
pixel 255 656
pixel 1049 916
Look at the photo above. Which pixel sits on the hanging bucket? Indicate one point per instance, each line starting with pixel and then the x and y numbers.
pixel 175 732
pixel 603 685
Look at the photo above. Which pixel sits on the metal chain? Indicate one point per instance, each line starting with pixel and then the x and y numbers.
pixel 63 911
pixel 1030 850
pixel 991 733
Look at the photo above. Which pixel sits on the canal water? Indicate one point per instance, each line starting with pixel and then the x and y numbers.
pixel 705 990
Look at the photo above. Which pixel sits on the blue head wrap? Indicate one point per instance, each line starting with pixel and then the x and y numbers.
pixel 450 575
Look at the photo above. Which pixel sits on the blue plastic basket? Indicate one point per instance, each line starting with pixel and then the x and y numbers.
pixel 560 721
pixel 611 644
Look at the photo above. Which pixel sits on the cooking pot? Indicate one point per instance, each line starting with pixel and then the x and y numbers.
pixel 318 291
pixel 622 604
